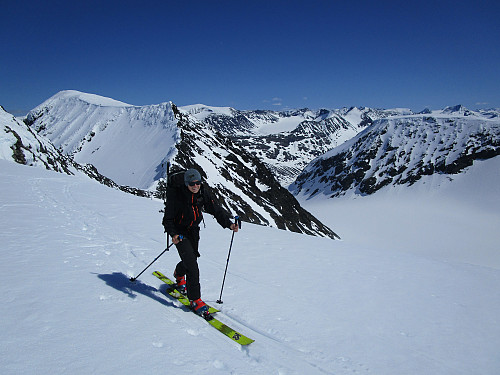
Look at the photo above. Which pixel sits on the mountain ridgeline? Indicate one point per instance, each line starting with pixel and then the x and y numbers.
pixel 400 150
pixel 251 160
pixel 132 145
pixel 358 150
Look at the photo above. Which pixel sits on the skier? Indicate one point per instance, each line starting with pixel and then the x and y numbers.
pixel 183 214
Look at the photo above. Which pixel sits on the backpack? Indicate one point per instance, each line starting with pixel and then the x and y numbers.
pixel 174 182
pixel 175 179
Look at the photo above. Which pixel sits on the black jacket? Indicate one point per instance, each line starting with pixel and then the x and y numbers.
pixel 183 211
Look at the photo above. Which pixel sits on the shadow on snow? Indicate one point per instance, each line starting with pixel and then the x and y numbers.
pixel 122 282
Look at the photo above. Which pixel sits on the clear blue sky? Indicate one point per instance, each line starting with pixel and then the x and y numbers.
pixel 253 54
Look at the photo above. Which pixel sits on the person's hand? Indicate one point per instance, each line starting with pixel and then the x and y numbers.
pixel 234 227
pixel 176 239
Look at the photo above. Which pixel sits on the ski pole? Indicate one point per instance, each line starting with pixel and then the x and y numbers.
pixel 237 221
pixel 168 247
pixel 165 199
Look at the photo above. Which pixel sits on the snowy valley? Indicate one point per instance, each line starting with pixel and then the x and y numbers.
pixel 411 287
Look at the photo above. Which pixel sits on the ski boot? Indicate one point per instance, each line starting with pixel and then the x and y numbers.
pixel 180 284
pixel 201 308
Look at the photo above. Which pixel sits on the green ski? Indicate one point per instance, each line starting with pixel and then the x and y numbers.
pixel 217 324
pixel 176 294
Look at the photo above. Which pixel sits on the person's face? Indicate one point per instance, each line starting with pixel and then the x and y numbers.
pixel 194 186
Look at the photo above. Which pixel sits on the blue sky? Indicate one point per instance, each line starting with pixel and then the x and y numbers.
pixel 253 54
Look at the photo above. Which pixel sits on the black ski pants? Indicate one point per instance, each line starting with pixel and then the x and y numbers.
pixel 188 266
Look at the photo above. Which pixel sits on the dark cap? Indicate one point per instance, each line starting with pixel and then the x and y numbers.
pixel 191 175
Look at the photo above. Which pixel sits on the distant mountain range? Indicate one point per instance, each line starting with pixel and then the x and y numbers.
pixel 400 149
pixel 358 149
pixel 250 158
pixel 287 141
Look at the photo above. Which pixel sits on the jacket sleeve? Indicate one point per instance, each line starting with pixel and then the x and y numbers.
pixel 212 207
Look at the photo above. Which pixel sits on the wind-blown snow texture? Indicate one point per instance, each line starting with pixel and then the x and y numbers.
pixel 386 300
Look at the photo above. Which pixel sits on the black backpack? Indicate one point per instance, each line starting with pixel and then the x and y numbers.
pixel 175 180
pixel 173 183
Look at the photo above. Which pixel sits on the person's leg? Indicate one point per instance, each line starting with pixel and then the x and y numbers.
pixel 189 267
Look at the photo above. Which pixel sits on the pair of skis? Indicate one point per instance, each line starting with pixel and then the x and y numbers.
pixel 214 322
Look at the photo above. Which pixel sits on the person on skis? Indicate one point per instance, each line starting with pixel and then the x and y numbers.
pixel 183 214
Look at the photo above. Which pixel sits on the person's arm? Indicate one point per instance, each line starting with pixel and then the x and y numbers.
pixel 212 207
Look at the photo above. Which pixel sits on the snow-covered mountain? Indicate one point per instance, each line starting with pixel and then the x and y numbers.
pixel 24 146
pixel 400 149
pixel 250 156
pixel 132 145
pixel 19 143
pixel 285 141
pixel 126 143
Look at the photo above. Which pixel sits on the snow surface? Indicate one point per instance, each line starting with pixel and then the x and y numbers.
pixel 411 289
pixel 283 124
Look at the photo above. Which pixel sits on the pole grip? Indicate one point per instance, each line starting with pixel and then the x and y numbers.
pixel 181 237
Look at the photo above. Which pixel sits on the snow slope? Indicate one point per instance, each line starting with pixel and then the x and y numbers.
pixel 314 306
pixel 450 218
pixel 128 144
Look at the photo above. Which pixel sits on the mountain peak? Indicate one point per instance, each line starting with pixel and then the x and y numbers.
pixel 68 95
pixel 458 109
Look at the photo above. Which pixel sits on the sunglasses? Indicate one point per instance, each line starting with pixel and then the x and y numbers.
pixel 192 183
